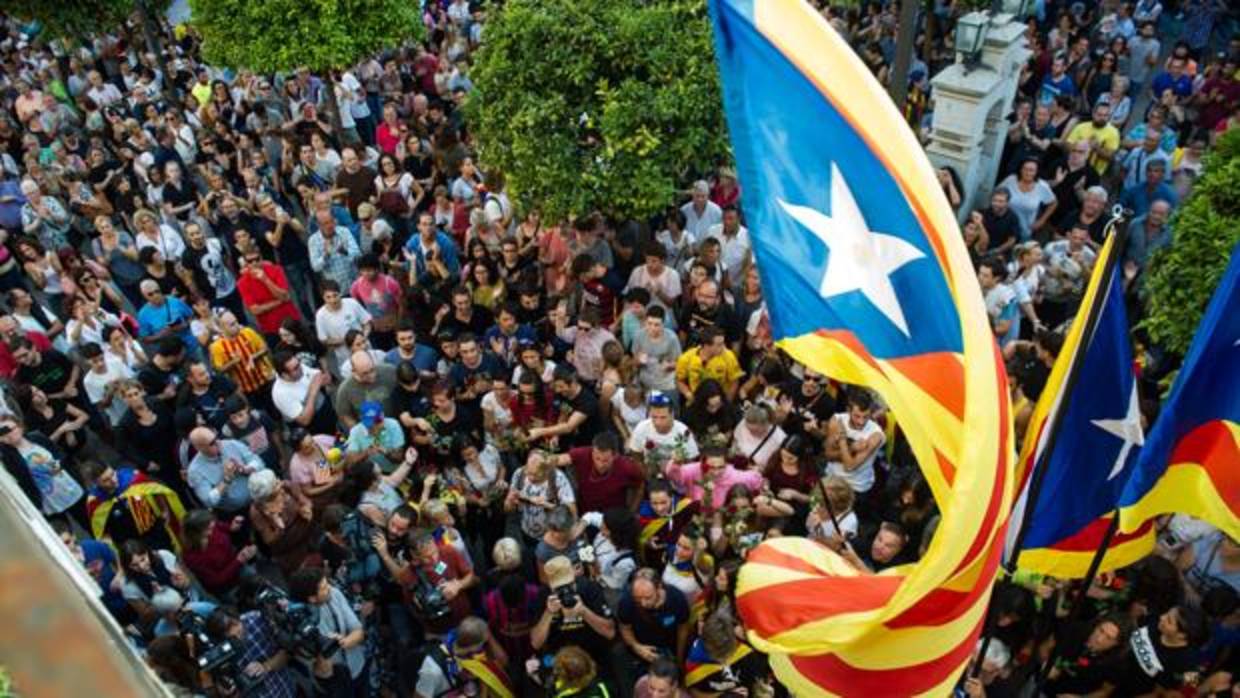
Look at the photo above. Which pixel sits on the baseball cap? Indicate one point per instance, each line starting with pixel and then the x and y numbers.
pixel 560 572
pixel 372 413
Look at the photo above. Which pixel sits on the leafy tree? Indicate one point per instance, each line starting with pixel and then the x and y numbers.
pixel 606 104
pixel 1182 276
pixel 74 18
pixel 278 35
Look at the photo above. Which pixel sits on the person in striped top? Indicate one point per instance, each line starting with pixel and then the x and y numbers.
pixel 242 353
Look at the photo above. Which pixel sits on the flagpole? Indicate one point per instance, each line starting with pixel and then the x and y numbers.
pixel 1038 475
pixel 1078 605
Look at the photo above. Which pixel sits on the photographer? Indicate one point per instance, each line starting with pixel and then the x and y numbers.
pixel 262 663
pixel 437 579
pixel 343 669
pixel 574 612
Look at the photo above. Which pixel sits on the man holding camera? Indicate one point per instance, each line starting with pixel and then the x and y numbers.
pixel 437 579
pixel 263 663
pixel 342 668
pixel 575 612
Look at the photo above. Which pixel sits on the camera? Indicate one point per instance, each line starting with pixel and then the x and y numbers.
pixel 294 626
pixel 433 604
pixel 217 658
pixel 567 595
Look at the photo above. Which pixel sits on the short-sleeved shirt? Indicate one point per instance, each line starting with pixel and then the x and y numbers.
pixel 533 518
pixel 565 631
pixel 255 292
pixel 336 617
pixel 600 492
pixel 250 373
pixel 390 438
pixel 723 368
pixel 152 319
pixel 335 324
pixel 1027 204
pixel 1106 136
pixel 586 403
pixel 677 443
pixel 315 470
pixel 657 627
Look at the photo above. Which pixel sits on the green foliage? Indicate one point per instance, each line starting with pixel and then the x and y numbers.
pixel 605 104
pixel 1182 277
pixel 75 18
pixel 279 35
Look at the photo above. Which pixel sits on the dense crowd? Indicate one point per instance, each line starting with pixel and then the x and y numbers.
pixel 324 411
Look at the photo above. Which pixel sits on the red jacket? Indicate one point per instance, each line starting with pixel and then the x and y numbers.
pixel 216 565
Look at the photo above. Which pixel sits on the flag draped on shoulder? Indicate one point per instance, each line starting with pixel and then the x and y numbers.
pixel 1090 405
pixel 867 279
pixel 1191 459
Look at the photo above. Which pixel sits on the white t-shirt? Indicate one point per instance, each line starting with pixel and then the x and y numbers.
pixel 1026 204
pixel 860 479
pixel 96 385
pixel 335 324
pixel 169 244
pixel 632 416
pixel 290 397
pixel 645 433
pixel 745 443
pixel 667 283
pixel 733 250
pixel 498 411
pixel 848 524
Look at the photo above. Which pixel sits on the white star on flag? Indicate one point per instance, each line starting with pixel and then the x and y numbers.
pixel 1127 429
pixel 860 259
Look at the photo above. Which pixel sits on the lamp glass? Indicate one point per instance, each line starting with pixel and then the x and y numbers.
pixel 970 34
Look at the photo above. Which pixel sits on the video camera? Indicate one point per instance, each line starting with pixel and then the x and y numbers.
pixel 295 626
pixel 218 658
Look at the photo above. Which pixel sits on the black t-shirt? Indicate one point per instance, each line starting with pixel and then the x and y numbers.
pixel 480 320
pixel 1079 671
pixel 820 406
pixel 694 319
pixel 1065 191
pixel 411 401
pixel 586 403
pixel 291 250
pixel 179 196
pixel 565 632
pixel 657 628
pixel 169 284
pixel 1001 228
pixel 51 376
pixel 154 379
pixel 227 228
pixel 210 404
pixel 1150 663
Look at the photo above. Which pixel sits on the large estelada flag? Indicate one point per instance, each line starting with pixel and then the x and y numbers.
pixel 1090 404
pixel 867 279
pixel 1191 459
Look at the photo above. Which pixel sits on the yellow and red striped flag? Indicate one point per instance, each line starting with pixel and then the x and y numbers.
pixel 867 280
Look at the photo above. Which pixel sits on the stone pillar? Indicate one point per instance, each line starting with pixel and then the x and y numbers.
pixel 971 104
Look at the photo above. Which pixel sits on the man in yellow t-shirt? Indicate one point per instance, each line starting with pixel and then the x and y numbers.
pixel 1101 135
pixel 711 360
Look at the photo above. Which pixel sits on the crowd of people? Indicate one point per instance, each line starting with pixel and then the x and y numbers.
pixel 324 411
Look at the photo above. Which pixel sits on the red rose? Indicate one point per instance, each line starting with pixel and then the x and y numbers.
pixel 649 445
